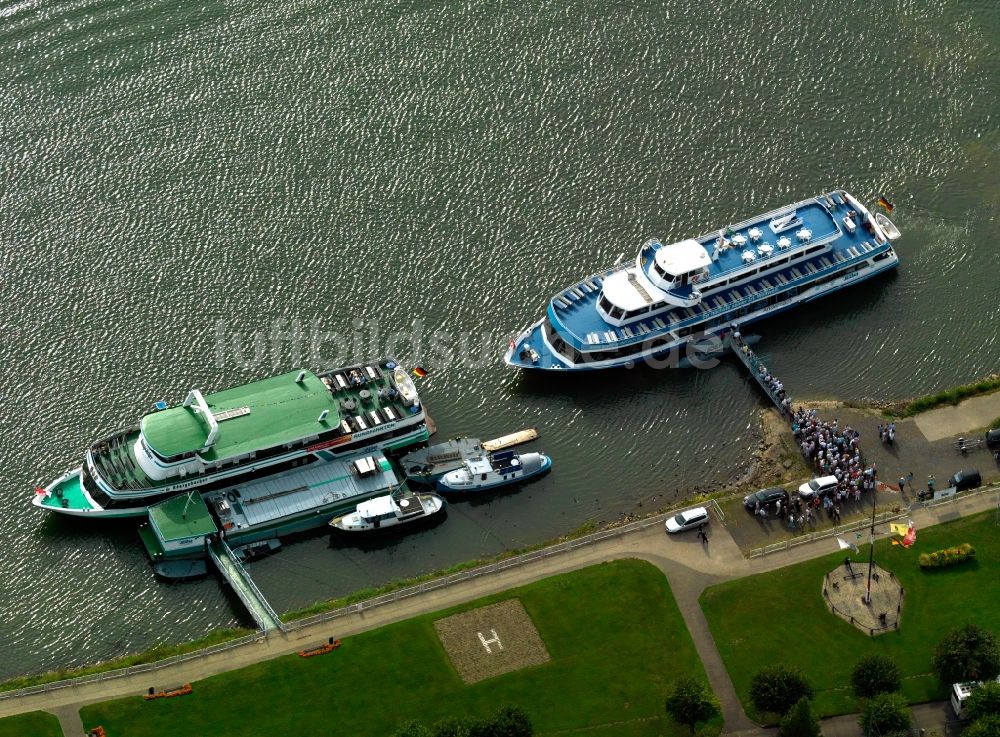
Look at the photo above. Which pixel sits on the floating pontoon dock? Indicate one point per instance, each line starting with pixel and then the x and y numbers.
pixel 509 441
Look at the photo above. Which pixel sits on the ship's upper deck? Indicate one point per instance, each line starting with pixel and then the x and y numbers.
pixel 258 415
pixel 810 240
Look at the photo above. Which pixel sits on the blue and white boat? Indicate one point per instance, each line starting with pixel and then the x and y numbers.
pixel 676 296
pixel 494 470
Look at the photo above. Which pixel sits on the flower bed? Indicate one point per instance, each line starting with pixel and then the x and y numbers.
pixel 948 556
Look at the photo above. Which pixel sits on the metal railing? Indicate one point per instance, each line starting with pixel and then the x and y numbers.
pixel 496 567
pixel 960 495
pixel 488 569
pixel 252 595
pixel 133 669
pixel 794 542
pixel 882 518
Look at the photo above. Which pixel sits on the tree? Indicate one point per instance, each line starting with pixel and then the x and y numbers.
pixel 983 701
pixel 969 653
pixel 777 688
pixel 884 714
pixel 690 701
pixel 875 674
pixel 988 726
pixel 800 721
pixel 412 729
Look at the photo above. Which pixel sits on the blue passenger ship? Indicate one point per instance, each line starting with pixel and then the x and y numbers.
pixel 678 295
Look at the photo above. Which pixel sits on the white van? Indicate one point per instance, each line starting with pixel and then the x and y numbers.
pixel 960 694
pixel 822 485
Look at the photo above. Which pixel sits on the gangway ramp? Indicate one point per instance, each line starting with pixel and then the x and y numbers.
pixel 753 364
pixel 239 581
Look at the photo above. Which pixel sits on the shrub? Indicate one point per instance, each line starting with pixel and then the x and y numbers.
pixel 800 721
pixel 452 727
pixel 690 701
pixel 984 701
pixel 984 727
pixel 969 653
pixel 948 556
pixel 412 729
pixel 875 674
pixel 776 688
pixel 510 721
pixel 884 714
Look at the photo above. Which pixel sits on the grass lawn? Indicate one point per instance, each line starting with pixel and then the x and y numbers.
pixel 781 617
pixel 34 723
pixel 613 631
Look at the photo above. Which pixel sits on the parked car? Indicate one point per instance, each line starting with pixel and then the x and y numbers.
pixel 993 439
pixel 765 497
pixel 688 520
pixel 967 479
pixel 818 487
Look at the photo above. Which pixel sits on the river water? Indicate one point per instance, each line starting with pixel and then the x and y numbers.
pixel 204 192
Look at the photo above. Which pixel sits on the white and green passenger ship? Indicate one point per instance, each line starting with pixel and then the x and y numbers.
pixel 214 441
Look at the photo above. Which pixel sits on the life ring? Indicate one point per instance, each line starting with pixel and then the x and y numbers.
pixel 231 496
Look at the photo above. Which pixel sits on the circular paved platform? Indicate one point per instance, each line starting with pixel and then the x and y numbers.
pixel 844 592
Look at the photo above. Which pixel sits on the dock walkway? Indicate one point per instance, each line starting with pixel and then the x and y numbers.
pixel 239 580
pixel 758 371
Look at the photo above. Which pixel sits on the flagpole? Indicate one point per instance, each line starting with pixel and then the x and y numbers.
pixel 871 552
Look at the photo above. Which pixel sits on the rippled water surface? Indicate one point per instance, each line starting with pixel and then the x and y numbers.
pixel 176 177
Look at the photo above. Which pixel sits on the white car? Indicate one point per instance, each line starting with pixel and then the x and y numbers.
pixel 688 520
pixel 818 487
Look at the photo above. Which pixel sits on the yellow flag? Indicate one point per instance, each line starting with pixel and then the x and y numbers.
pixel 898 529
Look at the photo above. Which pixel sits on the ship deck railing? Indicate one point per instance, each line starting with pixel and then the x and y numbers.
pixel 586 286
pixel 802 274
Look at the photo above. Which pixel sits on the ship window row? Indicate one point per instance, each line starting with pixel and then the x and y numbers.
pixel 769 266
pixel 617 313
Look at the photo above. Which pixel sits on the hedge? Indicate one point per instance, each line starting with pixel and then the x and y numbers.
pixel 948 556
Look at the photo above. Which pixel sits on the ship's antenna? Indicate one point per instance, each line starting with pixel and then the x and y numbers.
pixel 184 514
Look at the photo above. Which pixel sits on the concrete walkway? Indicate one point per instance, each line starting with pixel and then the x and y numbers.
pixel 964 417
pixel 689 565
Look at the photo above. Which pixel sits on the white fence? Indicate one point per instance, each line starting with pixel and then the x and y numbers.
pixel 794 542
pixel 865 523
pixel 134 669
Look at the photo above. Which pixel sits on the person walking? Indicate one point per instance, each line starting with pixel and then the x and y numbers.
pixel 902 483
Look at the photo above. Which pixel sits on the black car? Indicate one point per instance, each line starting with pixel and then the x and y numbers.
pixel 765 497
pixel 993 438
pixel 967 479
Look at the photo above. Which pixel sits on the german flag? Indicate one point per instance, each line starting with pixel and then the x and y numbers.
pixel 419 372
pixel 886 204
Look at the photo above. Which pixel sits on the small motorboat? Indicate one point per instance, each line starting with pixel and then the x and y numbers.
pixel 429 464
pixel 494 470
pixel 390 511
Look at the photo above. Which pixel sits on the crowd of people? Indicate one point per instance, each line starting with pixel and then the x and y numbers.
pixel 834 451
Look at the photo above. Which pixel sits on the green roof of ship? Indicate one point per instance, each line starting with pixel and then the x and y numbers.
pixel 182 517
pixel 251 417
